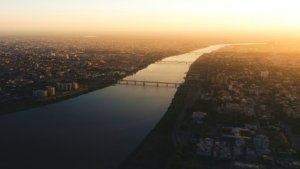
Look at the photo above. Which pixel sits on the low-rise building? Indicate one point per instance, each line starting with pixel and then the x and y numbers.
pixel 40 93
pixel 198 117
pixel 67 86
pixel 51 90
pixel 240 165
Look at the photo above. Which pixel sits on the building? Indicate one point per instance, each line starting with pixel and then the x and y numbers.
pixel 75 86
pixel 204 147
pixel 240 165
pixel 51 90
pixel 264 74
pixel 261 144
pixel 40 93
pixel 198 117
pixel 67 86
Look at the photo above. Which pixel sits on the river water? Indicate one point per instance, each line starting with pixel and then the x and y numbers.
pixel 95 130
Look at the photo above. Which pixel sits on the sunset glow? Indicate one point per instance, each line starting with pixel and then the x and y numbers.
pixel 150 16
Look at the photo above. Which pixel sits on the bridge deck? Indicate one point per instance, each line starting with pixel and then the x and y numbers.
pixel 176 62
pixel 147 81
pixel 154 83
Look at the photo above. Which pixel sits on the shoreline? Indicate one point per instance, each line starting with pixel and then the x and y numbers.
pixel 160 138
pixel 158 143
pixel 39 103
pixel 99 83
pixel 90 88
pixel 157 148
pixel 165 146
pixel 12 108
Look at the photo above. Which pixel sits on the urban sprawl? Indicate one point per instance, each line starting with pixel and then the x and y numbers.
pixel 246 110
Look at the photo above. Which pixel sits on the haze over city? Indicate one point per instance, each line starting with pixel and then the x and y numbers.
pixel 150 84
pixel 150 16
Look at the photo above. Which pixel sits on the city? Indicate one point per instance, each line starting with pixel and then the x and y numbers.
pixel 37 71
pixel 243 116
pixel 160 84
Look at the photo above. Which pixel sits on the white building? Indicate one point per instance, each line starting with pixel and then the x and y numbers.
pixel 264 74
pixel 67 86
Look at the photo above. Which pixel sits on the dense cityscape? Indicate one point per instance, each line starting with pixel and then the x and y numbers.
pixel 238 107
pixel 149 84
pixel 246 114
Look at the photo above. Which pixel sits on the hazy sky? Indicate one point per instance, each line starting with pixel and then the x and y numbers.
pixel 150 15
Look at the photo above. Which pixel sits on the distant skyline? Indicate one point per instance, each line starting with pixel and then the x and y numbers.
pixel 193 16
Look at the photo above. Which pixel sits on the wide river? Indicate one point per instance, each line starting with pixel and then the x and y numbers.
pixel 96 130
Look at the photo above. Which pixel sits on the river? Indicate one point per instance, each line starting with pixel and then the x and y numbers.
pixel 96 130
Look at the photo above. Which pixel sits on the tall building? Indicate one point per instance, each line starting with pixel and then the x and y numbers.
pixel 51 90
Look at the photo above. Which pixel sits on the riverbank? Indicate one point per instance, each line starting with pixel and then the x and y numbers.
pixel 90 86
pixel 228 104
pixel 157 151
pixel 158 148
pixel 6 109
pixel 125 115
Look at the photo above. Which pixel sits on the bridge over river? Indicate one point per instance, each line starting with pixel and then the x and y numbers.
pixel 156 83
pixel 98 129
pixel 174 62
pixel 149 83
